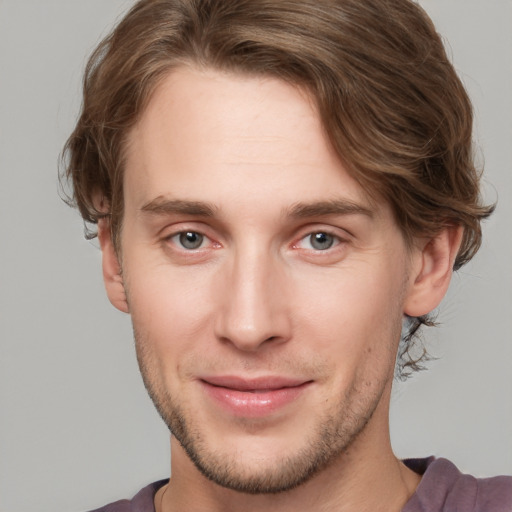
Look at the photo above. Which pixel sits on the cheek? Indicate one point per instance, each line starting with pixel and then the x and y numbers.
pixel 350 300
pixel 168 308
pixel 354 316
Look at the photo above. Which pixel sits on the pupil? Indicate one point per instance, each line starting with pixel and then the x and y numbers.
pixel 191 240
pixel 321 241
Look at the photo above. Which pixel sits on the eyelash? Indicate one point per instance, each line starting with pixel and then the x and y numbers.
pixel 334 239
pixel 177 239
pixel 181 236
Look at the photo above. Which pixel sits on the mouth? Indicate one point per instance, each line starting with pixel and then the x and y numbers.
pixel 252 398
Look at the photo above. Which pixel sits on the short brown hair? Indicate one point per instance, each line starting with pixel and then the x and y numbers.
pixel 390 100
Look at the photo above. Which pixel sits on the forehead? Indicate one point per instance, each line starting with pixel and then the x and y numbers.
pixel 205 134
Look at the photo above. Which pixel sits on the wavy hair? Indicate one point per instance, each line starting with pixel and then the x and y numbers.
pixel 388 96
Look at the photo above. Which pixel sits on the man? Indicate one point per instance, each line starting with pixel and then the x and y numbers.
pixel 277 187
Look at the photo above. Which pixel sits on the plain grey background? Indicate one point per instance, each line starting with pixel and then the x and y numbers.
pixel 76 427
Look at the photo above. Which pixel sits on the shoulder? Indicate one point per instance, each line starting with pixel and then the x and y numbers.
pixel 141 502
pixel 444 488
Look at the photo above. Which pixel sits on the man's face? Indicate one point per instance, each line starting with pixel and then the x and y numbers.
pixel 266 290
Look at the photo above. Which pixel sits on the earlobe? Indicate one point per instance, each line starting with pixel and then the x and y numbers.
pixel 112 275
pixel 432 272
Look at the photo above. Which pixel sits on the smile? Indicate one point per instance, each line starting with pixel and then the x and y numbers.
pixel 253 398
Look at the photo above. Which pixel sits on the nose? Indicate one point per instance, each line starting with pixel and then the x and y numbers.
pixel 254 308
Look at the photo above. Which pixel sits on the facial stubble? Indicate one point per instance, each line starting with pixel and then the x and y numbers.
pixel 335 432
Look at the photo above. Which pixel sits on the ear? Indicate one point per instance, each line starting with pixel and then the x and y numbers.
pixel 432 271
pixel 112 275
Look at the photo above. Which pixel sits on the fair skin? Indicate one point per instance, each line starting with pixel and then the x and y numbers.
pixel 267 293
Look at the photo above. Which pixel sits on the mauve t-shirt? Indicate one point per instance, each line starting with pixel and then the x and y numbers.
pixel 443 488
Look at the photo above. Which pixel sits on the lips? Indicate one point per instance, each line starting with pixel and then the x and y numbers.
pixel 255 397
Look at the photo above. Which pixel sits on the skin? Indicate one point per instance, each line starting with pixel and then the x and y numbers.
pixel 296 274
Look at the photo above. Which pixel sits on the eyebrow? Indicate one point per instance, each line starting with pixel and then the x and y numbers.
pixel 326 208
pixel 163 206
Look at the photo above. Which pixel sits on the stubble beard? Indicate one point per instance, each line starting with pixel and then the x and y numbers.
pixel 336 432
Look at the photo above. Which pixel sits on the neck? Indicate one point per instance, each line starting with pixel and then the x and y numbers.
pixel 366 477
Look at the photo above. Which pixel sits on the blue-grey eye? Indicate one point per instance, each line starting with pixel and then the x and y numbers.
pixel 321 241
pixel 191 240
